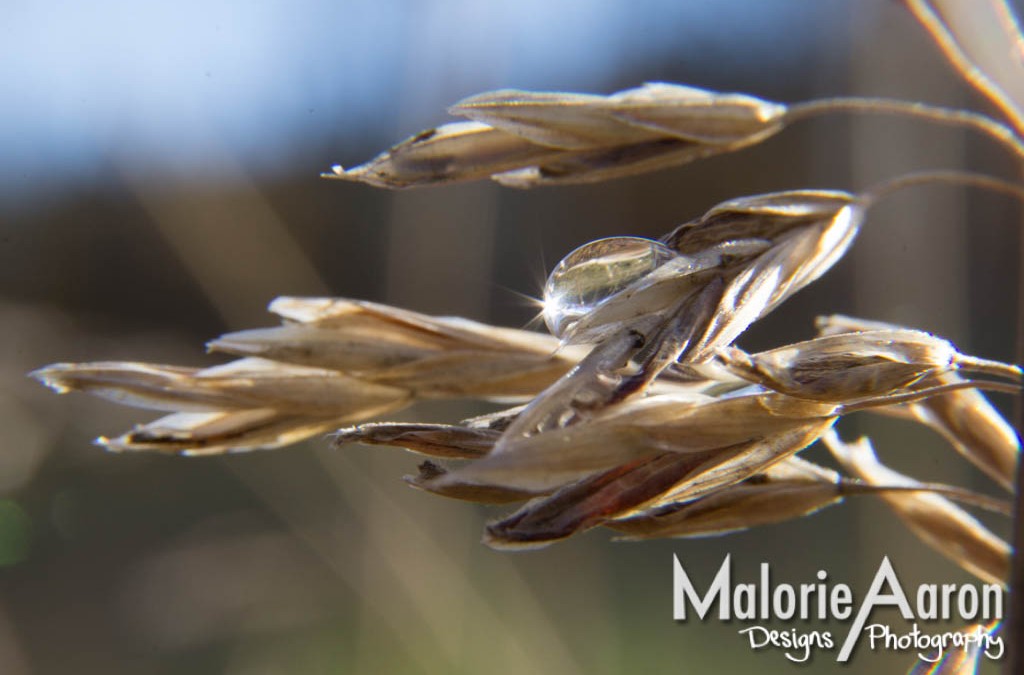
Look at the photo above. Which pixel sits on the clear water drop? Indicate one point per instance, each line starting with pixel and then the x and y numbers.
pixel 596 271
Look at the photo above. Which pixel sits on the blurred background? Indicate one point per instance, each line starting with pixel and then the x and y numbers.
pixel 159 186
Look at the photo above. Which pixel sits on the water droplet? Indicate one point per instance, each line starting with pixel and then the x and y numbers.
pixel 595 272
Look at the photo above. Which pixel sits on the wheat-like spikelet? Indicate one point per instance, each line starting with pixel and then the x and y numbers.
pixel 638 413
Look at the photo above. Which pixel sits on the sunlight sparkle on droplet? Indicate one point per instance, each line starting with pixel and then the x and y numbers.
pixel 593 273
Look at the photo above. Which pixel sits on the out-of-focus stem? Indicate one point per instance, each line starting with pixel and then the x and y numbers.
pixel 990 60
pixel 1014 636
pixel 981 57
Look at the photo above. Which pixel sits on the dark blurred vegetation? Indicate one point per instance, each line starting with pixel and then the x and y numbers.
pixel 308 560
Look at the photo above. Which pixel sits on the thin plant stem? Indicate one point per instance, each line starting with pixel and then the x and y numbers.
pixel 994 368
pixel 981 501
pixel 997 131
pixel 953 177
pixel 969 70
pixel 946 38
pixel 921 394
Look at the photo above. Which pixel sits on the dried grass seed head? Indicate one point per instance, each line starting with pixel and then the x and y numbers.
pixel 216 433
pixel 334 362
pixel 630 488
pixel 734 265
pixel 524 139
pixel 640 429
pixel 238 385
pixel 790 489
pixel 429 356
pixel 971 424
pixel 846 366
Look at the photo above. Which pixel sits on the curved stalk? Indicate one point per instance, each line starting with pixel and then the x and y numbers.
pixel 997 131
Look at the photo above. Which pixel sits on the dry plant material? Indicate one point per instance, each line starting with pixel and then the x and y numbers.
pixel 434 440
pixel 791 488
pixel 333 362
pixel 638 412
pixel 647 427
pixel 216 433
pixel 240 385
pixel 975 429
pixel 429 473
pixel 433 357
pixel 965 418
pixel 935 520
pixel 725 442
pixel 524 139
pixel 982 40
pixel 619 492
pixel 652 308
pixel 985 44
pixel 249 403
pixel 851 365
pixel 743 243
pixel 636 405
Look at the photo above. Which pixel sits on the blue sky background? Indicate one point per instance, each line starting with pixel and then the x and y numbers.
pixel 85 84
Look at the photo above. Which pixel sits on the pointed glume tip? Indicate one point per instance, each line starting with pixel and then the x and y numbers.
pixel 337 171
